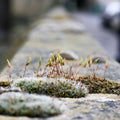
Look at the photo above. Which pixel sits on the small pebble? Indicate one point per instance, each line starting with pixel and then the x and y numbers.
pixel 99 60
pixel 69 55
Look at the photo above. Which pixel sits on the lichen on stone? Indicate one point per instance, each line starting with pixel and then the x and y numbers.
pixel 58 87
pixel 24 104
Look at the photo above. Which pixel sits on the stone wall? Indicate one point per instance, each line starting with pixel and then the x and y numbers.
pixel 58 30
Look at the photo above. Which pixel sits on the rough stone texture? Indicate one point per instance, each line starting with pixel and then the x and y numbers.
pixel 93 107
pixel 50 34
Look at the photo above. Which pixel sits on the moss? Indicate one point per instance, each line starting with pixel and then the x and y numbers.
pixel 99 85
pixel 5 83
pixel 23 104
pixel 53 87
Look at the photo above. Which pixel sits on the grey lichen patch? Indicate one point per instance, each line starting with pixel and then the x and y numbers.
pixel 58 87
pixel 24 104
pixel 99 85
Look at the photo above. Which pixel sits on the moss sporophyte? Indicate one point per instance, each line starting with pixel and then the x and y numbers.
pixel 9 68
pixel 26 65
pixel 57 78
pixel 60 73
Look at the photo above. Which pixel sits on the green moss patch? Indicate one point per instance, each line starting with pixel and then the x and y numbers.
pixel 98 85
pixel 53 87
pixel 23 104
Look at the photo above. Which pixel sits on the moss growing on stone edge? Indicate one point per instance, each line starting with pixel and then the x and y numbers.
pixel 24 104
pixel 99 85
pixel 5 83
pixel 58 87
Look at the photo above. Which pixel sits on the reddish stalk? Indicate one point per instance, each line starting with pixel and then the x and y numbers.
pixel 106 68
pixel 9 68
pixel 26 65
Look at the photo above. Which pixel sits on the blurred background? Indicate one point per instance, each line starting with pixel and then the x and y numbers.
pixel 101 19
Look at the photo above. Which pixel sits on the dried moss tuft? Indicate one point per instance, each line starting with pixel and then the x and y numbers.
pixel 23 104
pixel 99 85
pixel 5 83
pixel 59 87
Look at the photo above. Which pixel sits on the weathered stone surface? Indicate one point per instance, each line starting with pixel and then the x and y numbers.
pixel 4 90
pixel 93 107
pixel 50 35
